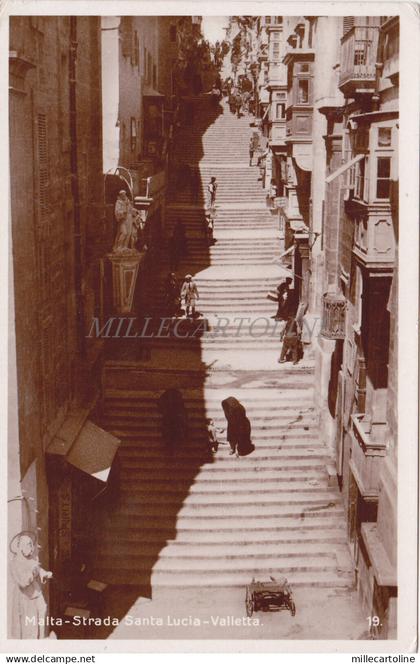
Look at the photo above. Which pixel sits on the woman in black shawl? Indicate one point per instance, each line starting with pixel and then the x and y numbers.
pixel 238 427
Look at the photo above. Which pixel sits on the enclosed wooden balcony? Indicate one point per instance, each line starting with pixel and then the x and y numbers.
pixel 278 132
pixel 374 239
pixel 359 48
pixel 367 452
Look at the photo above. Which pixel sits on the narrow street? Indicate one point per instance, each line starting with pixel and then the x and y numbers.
pixel 191 531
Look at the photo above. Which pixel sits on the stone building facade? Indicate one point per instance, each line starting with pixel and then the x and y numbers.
pixel 357 353
pixel 149 65
pixel 58 233
pixel 336 173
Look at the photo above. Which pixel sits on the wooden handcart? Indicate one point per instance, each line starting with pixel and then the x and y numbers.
pixel 273 595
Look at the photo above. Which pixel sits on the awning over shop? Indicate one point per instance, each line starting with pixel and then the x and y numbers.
pixel 93 451
pixel 344 168
pixel 85 445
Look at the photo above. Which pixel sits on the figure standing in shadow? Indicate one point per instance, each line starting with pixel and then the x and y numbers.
pixel 174 419
pixel 238 427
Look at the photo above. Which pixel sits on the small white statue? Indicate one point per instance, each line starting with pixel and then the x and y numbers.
pixel 29 608
pixel 129 222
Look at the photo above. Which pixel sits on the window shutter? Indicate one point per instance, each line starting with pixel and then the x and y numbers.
pixel 42 165
pixel 126 36
pixel 348 23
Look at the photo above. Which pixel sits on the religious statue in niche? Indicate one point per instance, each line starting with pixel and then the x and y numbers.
pixel 29 608
pixel 130 224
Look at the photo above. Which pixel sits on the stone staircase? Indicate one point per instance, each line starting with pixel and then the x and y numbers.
pixel 203 519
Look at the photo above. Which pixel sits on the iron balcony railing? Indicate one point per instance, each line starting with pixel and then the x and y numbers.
pixel 359 55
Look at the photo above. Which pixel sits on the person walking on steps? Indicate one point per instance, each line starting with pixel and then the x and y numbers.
pixel 251 150
pixel 238 431
pixel 213 434
pixel 189 295
pixel 291 341
pixel 209 221
pixel 284 300
pixel 211 191
pixel 238 104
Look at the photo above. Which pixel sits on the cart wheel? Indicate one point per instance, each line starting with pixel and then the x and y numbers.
pixel 249 603
pixel 292 607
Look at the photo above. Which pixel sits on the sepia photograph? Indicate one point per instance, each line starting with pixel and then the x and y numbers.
pixel 203 326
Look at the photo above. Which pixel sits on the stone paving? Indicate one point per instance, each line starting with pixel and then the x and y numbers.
pixel 191 531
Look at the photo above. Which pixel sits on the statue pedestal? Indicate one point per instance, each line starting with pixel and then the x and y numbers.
pixel 125 268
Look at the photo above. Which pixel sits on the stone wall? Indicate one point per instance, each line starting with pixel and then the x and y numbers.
pixel 49 315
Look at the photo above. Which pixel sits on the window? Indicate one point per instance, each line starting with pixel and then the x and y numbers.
pixel 267 20
pixel 304 67
pixel 133 134
pixel 276 51
pixel 135 51
pixel 384 137
pixel 144 61
pixel 43 177
pixel 383 177
pixel 303 91
pixel 359 180
pixel 172 33
pixel 280 111
pixel 149 67
pixel 359 55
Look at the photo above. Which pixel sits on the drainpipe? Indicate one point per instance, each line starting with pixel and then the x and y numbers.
pixel 75 188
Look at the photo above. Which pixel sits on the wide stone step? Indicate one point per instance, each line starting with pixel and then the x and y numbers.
pixel 310 534
pixel 239 252
pixel 277 421
pixel 191 263
pixel 276 425
pixel 263 440
pixel 221 531
pixel 198 444
pixel 263 418
pixel 291 553
pixel 205 396
pixel 250 463
pixel 198 429
pixel 233 579
pixel 231 476
pixel 196 402
pixel 268 441
pixel 154 460
pixel 288 563
pixel 216 516
pixel 280 486
pixel 206 503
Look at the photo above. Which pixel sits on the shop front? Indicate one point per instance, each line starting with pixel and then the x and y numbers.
pixel 82 475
